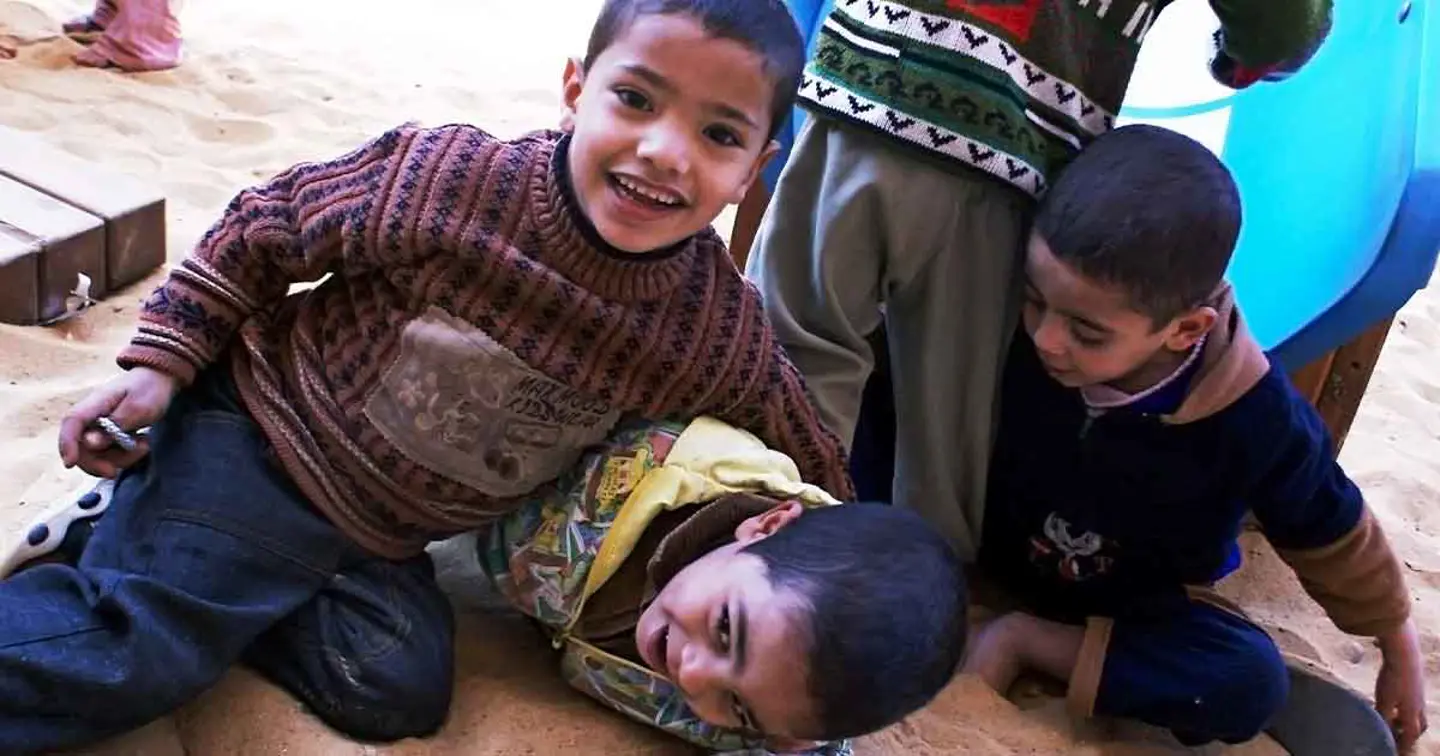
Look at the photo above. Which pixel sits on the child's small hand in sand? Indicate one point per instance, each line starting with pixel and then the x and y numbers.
pixel 1000 650
pixel 991 655
pixel 133 401
pixel 1400 688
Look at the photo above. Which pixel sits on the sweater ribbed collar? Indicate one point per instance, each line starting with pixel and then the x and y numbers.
pixel 571 245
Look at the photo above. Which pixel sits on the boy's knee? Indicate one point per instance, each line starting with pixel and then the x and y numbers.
pixel 1227 687
pixel 403 709
pixel 1260 688
pixel 1247 696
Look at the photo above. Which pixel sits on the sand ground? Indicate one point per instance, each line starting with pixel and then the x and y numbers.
pixel 271 82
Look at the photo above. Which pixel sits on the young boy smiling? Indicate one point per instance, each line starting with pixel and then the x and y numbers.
pixel 493 308
pixel 696 585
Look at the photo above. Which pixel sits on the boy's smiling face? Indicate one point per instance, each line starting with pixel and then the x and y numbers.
pixel 670 125
pixel 734 644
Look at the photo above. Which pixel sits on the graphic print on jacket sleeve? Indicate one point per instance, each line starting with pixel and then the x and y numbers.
pixel 465 407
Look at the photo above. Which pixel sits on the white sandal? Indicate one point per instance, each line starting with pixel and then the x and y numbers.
pixel 51 530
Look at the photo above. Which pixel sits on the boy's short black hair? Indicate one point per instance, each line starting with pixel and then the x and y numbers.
pixel 887 604
pixel 764 26
pixel 1148 210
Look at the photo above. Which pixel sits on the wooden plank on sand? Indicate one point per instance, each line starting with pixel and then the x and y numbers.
pixel 45 245
pixel 133 210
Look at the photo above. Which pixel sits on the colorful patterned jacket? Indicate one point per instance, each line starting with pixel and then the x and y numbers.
pixel 576 560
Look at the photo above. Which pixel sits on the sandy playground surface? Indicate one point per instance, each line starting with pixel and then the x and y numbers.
pixel 268 83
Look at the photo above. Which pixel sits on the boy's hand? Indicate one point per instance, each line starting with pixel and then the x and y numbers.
pixel 133 401
pixel 1230 73
pixel 1400 688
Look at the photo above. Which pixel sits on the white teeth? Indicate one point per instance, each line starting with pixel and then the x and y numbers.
pixel 646 193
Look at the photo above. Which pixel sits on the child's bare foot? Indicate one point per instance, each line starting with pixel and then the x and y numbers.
pixel 991 654
pixel 91 58
pixel 101 54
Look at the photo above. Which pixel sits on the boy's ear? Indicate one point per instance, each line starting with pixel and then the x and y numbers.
pixel 766 523
pixel 763 159
pixel 1190 328
pixel 570 92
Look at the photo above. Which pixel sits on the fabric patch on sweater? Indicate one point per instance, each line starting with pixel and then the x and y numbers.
pixel 465 407
pixel 1014 16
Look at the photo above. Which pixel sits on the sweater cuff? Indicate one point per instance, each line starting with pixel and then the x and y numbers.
pixel 1089 668
pixel 137 354
pixel 1357 580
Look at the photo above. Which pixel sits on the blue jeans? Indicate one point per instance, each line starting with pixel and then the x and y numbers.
pixel 210 555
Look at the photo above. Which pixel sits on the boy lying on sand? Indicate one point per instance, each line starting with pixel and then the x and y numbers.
pixel 695 584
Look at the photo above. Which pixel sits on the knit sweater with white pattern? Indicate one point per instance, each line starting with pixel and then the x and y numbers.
pixel 1015 88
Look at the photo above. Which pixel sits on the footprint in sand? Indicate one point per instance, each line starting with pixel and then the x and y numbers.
pixel 1420 327
pixel 233 131
pixel 28 114
pixel 22 23
pixel 1423 384
pixel 1293 643
pixel 247 101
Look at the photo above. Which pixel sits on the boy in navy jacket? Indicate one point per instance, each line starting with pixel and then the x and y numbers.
pixel 1140 424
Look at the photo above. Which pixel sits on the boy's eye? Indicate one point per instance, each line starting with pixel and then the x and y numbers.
pixel 1085 339
pixel 632 99
pixel 722 629
pixel 723 136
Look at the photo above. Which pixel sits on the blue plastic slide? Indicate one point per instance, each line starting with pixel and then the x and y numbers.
pixel 1339 166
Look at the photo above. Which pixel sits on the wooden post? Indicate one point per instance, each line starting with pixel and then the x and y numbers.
pixel 747 222
pixel 132 210
pixel 1336 383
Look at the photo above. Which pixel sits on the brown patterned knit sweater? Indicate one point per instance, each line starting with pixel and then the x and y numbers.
pixel 474 335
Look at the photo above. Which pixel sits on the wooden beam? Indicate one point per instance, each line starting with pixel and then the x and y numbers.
pixel 747 222
pixel 1310 380
pixel 1348 377
pixel 133 210
pixel 45 246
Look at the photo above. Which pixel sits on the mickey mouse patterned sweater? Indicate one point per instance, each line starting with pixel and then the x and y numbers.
pixel 473 336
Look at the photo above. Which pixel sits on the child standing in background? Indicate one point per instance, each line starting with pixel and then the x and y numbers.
pixel 936 125
pixel 131 35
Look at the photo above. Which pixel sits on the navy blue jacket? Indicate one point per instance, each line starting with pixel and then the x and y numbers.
pixel 1094 516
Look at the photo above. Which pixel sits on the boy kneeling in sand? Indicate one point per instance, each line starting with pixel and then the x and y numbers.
pixel 1140 423
pixel 695 584
pixel 492 308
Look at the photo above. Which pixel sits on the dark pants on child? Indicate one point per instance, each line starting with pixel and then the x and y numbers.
pixel 1201 671
pixel 210 555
